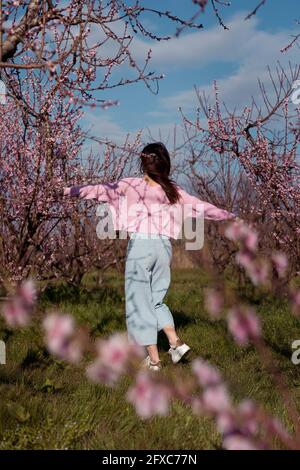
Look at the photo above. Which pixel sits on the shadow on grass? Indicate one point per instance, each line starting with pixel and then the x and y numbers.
pixel 38 357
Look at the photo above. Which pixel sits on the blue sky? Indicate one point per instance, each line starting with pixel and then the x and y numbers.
pixel 235 58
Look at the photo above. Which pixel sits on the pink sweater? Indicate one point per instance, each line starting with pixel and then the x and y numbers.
pixel 137 206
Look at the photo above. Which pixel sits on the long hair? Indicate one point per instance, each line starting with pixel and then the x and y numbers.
pixel 155 162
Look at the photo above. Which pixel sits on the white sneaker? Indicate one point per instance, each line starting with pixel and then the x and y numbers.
pixel 178 352
pixel 147 364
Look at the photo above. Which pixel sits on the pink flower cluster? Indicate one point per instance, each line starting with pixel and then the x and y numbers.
pixel 236 424
pixel 280 263
pixel 62 339
pixel 149 397
pixel 17 310
pixel 257 269
pixel 239 232
pixel 114 358
pixel 244 324
pixel 213 302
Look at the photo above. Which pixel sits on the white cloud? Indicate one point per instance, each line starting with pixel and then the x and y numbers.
pixel 255 51
pixel 100 124
pixel 201 47
pixel 245 45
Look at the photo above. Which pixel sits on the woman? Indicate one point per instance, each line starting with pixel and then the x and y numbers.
pixel 156 210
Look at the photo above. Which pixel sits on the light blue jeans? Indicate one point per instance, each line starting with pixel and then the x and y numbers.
pixel 147 279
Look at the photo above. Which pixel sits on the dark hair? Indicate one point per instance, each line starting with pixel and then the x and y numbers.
pixel 155 162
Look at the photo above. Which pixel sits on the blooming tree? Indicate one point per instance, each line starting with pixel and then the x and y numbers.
pixel 40 232
pixel 248 160
pixel 79 44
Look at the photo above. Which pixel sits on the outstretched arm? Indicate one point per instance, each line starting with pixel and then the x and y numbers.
pixel 105 192
pixel 198 208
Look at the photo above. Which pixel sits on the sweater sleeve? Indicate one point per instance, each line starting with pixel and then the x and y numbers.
pixel 105 192
pixel 197 208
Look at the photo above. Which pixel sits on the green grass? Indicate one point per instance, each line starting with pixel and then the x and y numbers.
pixel 45 403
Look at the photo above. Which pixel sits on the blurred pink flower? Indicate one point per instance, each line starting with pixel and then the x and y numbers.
pixel 244 325
pixel 280 263
pixel 247 410
pixel 226 422
pixel 15 314
pixel 242 233
pixel 257 270
pixel 250 240
pixel 149 397
pixel 216 399
pixel 213 302
pixel 114 355
pixel 17 311
pixel 239 442
pixel 205 373
pixel 98 372
pixel 245 259
pixel 116 351
pixel 60 340
pixel 27 292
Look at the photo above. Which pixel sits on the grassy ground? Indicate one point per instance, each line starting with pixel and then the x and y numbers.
pixel 45 403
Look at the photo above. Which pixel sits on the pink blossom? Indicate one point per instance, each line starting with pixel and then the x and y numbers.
pixel 248 415
pixel 17 310
pixel 114 356
pixel 15 314
pixel 226 422
pixel 27 292
pixel 257 270
pixel 239 442
pixel 60 337
pixel 240 232
pixel 149 397
pixel 116 351
pixel 213 302
pixel 280 263
pixel 98 372
pixel 205 373
pixel 251 240
pixel 216 399
pixel 245 259
pixel 244 325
